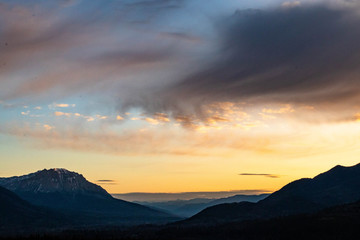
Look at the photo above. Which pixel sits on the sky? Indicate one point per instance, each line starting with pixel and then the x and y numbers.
pixel 180 95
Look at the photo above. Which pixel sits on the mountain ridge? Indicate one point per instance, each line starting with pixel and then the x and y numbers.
pixel 60 189
pixel 61 180
pixel 337 186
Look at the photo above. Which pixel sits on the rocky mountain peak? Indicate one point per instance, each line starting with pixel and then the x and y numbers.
pixel 51 180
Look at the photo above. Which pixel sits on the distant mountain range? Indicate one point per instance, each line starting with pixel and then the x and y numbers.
pixel 168 197
pixel 69 193
pixel 188 208
pixel 340 185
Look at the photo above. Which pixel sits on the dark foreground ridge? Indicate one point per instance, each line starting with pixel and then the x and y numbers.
pixel 341 222
pixel 340 185
pixel 19 217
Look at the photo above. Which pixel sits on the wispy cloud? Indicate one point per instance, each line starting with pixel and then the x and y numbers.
pixel 106 182
pixel 260 175
pixel 285 109
pixel 25 113
pixel 59 114
pixel 291 4
pixel 271 140
pixel 82 46
pixel 61 105
pixel 48 127
pixel 6 105
pixel 78 115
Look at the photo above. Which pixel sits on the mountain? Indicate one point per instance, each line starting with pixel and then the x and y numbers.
pixel 239 198
pixel 339 222
pixel 188 208
pixel 60 189
pixel 340 185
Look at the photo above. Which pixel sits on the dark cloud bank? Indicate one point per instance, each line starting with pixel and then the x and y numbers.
pixel 302 55
pixel 308 54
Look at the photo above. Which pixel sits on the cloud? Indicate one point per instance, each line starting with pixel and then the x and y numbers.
pixel 25 113
pixel 285 109
pixel 48 127
pixel 90 119
pixel 78 115
pixel 59 114
pixel 63 105
pixel 152 121
pixel 278 138
pixel 260 175
pixel 152 141
pixel 139 56
pixel 290 4
pixel 101 117
pixel 308 55
pixel 109 142
pixel 60 105
pixel 64 47
pixel 106 182
pixel 181 36
pixel 157 118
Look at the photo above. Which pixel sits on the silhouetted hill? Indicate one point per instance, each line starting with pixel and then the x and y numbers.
pixel 60 189
pixel 13 209
pixel 239 198
pixel 188 208
pixel 339 185
pixel 18 215
pixel 341 222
